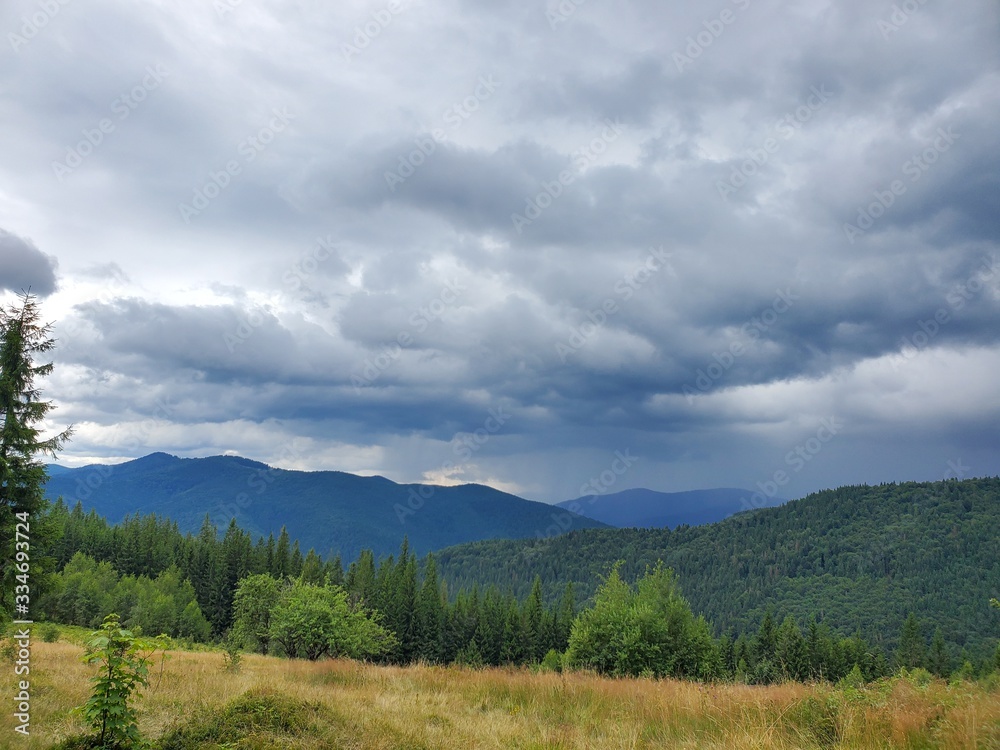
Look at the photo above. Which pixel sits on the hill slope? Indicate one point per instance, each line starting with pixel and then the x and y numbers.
pixel 858 557
pixel 330 511
pixel 642 508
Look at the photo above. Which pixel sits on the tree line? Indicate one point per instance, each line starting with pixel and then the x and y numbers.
pixel 400 610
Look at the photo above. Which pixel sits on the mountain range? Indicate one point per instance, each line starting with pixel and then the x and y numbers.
pixel 332 512
pixel 339 513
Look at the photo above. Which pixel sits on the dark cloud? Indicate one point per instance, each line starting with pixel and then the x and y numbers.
pixel 23 266
pixel 658 227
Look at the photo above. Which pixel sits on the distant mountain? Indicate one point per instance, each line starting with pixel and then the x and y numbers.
pixel 857 557
pixel 331 511
pixel 648 509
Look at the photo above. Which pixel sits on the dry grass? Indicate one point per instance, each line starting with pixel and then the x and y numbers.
pixel 365 707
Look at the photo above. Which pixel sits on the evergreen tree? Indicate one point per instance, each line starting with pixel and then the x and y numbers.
pixel 312 569
pixel 22 474
pixel 295 563
pixel 564 618
pixel 335 570
pixel 791 652
pixel 429 616
pixel 938 661
pixel 535 643
pixel 910 653
pixel 282 565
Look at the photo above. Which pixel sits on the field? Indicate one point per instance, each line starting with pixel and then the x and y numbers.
pixel 273 703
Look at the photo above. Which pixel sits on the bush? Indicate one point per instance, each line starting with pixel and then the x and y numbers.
pixel 49 632
pixel 818 719
pixel 649 630
pixel 233 654
pixel 252 714
pixel 553 661
pixel 123 661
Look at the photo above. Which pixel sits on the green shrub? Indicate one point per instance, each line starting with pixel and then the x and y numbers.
pixel 253 714
pixel 233 654
pixel 553 661
pixel 123 662
pixel 817 719
pixel 49 632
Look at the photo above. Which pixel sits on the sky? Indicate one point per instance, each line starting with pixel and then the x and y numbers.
pixel 559 248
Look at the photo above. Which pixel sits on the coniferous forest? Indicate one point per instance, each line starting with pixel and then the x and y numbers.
pixel 839 582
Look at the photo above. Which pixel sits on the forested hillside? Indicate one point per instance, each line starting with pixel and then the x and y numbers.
pixel 859 558
pixel 330 511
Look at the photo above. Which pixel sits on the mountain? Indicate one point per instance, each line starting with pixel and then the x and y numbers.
pixel 642 508
pixel 858 557
pixel 331 511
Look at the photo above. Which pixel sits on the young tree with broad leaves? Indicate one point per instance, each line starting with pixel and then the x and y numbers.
pixel 23 338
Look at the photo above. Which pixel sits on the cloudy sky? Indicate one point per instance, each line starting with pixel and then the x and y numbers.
pixel 739 243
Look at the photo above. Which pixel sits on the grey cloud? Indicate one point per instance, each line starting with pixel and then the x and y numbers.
pixel 23 266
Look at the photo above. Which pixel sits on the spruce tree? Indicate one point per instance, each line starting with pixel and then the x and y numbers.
pixel 282 556
pixel 938 661
pixel 429 616
pixel 22 475
pixel 535 645
pixel 910 653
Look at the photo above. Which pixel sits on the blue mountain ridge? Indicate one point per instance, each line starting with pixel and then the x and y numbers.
pixel 329 511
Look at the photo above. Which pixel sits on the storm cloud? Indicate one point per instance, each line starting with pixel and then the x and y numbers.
pixel 348 237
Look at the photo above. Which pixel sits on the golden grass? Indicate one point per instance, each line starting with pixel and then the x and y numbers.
pixel 365 707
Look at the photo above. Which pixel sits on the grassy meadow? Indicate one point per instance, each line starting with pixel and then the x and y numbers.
pixel 277 703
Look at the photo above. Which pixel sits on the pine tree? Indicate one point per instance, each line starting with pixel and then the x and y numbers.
pixel 535 645
pixel 282 556
pixel 295 563
pixel 938 661
pixel 429 616
pixel 22 475
pixel 312 569
pixel 910 653
pixel 791 653
pixel 564 618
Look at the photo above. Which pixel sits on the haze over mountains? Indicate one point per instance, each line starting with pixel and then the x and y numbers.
pixel 641 508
